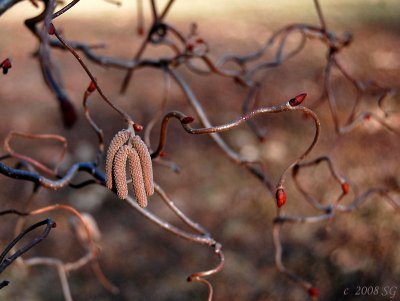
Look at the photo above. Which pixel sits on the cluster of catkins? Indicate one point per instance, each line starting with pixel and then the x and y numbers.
pixel 127 148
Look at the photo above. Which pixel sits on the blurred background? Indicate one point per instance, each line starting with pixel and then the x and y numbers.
pixel 360 248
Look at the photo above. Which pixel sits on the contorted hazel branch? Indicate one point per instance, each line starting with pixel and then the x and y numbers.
pixel 124 147
pixel 292 104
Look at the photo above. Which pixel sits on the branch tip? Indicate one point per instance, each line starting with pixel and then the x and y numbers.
pixel 6 65
pixel 187 120
pixel 297 99
pixel 280 197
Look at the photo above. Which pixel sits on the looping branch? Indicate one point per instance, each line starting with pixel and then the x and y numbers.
pixel 6 261
pixel 199 276
pixel 35 163
pixel 63 181
pixel 291 105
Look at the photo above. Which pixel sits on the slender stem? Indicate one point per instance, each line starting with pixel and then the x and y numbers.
pixel 95 127
pixel 166 9
pixel 89 73
pixel 154 10
pixel 201 239
pixel 195 226
pixel 6 261
pixel 320 15
pixel 64 9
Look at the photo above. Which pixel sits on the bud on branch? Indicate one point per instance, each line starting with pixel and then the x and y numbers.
pixel 280 197
pixel 298 99
pixel 5 65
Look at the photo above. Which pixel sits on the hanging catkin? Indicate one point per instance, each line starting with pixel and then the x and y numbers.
pixel 120 171
pixel 136 173
pixel 129 151
pixel 146 164
pixel 119 140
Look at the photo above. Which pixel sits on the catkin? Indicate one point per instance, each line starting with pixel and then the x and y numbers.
pixel 135 168
pixel 146 164
pixel 120 171
pixel 139 164
pixel 119 139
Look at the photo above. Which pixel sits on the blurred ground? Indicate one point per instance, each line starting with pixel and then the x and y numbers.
pixel 150 264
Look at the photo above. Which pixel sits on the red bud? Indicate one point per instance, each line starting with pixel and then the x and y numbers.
pixel 262 138
pixel 298 99
pixel 190 47
pixel 280 197
pixel 313 292
pixel 367 116
pixel 6 64
pixel 163 154
pixel 345 188
pixel 51 30
pixel 92 87
pixel 199 41
pixel 54 225
pixel 137 127
pixel 187 120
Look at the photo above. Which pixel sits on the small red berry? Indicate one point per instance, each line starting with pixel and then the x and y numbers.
pixel 92 87
pixel 187 120
pixel 163 154
pixel 190 47
pixel 51 30
pixel 313 292
pixel 137 127
pixel 54 225
pixel 199 41
pixel 262 138
pixel 367 116
pixel 298 99
pixel 280 197
pixel 345 188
